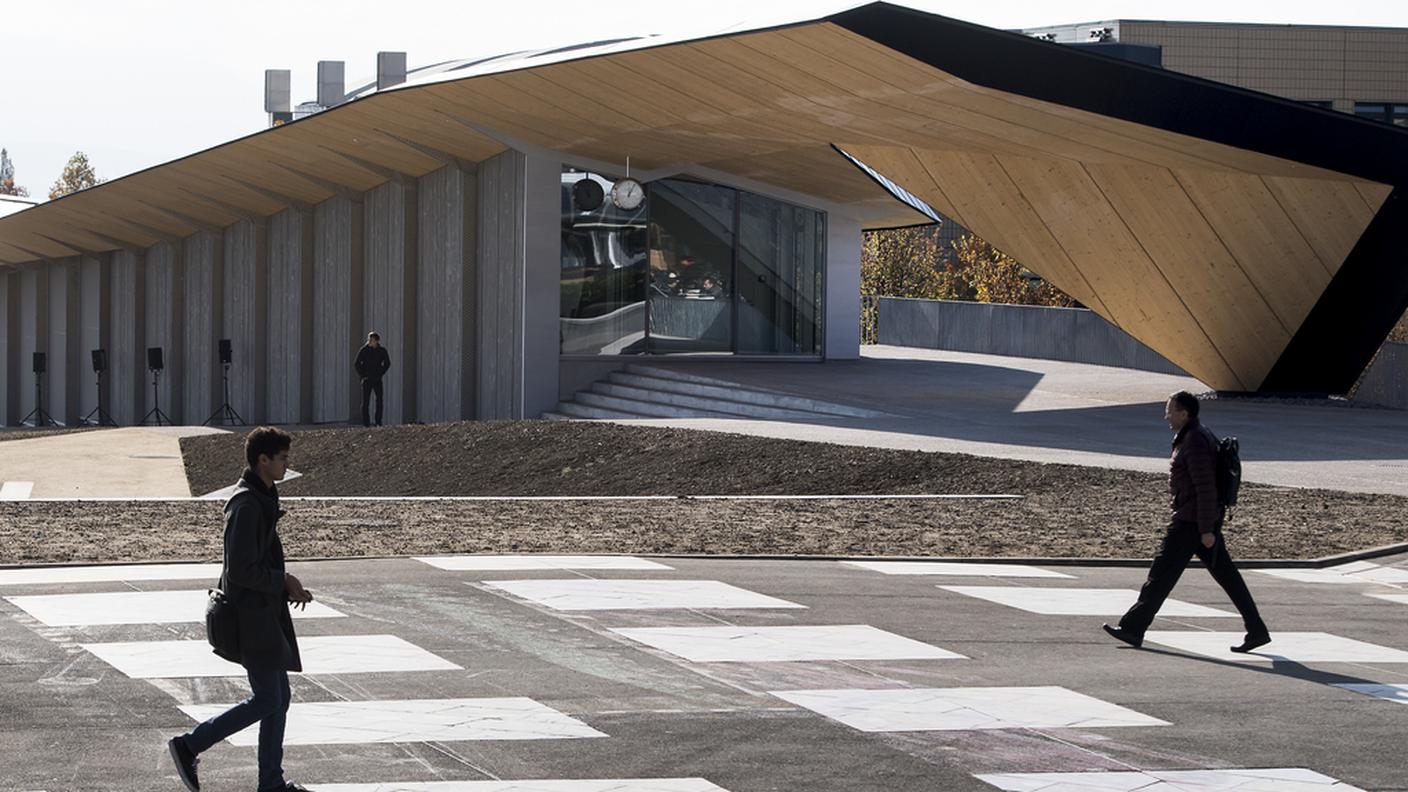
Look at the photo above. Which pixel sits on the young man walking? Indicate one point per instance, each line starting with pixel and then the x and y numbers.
pixel 372 363
pixel 1195 526
pixel 254 580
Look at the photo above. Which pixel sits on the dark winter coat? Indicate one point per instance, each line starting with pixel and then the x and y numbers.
pixel 1192 477
pixel 372 362
pixel 253 577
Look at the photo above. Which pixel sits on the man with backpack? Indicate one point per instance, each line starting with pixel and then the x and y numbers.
pixel 1195 526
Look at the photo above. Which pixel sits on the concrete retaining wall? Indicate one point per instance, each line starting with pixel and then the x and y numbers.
pixel 1073 334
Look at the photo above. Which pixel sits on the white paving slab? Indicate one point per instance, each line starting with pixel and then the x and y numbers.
pixel 109 573
pixel 1077 601
pixel 1270 779
pixel 498 563
pixel 787 643
pixel 133 607
pixel 583 785
pixel 1297 647
pixel 1398 693
pixel 580 594
pixel 1401 599
pixel 413 720
pixel 330 654
pixel 961 709
pixel 16 490
pixel 1357 572
pixel 957 568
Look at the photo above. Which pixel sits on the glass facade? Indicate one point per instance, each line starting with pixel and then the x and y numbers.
pixel 697 269
pixel 1396 114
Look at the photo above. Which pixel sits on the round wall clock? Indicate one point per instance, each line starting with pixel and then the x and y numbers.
pixel 587 195
pixel 627 194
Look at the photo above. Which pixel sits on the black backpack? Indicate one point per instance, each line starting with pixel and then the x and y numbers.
pixel 1229 471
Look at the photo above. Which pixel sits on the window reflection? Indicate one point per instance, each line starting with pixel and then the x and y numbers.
pixel 691 267
pixel 603 270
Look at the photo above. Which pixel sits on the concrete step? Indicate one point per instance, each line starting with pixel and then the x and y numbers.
pixel 574 411
pixel 716 404
pixel 733 392
pixel 642 409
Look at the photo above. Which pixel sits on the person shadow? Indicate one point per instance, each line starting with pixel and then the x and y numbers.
pixel 1279 667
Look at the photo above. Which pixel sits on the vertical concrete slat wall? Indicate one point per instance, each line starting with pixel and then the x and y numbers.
pixel 542 284
pixel 34 331
pixel 94 298
pixel 445 245
pixel 63 340
pixel 127 362
pixel 244 311
pixel 500 267
pixel 842 315
pixel 290 304
pixel 388 284
pixel 200 358
pixel 165 314
pixel 337 239
pixel 9 348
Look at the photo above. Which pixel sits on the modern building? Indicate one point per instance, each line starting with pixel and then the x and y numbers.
pixel 1359 70
pixel 517 227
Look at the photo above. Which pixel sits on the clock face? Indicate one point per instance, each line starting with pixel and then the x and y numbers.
pixel 588 195
pixel 627 194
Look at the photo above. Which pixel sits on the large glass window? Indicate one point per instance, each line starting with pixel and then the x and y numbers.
pixel 699 268
pixel 603 270
pixel 1382 111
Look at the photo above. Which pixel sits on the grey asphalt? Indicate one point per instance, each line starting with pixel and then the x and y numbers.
pixel 68 721
pixel 1054 411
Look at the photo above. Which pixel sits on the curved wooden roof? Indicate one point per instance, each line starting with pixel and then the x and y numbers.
pixel 1254 241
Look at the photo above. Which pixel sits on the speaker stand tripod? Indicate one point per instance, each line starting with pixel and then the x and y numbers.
pixel 37 417
pixel 154 416
pixel 225 415
pixel 99 416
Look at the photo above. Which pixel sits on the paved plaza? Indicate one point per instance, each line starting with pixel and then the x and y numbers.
pixel 613 674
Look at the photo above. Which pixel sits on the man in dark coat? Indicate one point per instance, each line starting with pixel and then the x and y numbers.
pixel 372 364
pixel 254 580
pixel 1195 526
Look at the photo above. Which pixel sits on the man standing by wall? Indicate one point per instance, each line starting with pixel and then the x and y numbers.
pixel 255 582
pixel 372 364
pixel 1195 526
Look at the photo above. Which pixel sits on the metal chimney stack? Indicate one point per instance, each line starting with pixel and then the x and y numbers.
pixel 278 96
pixel 332 88
pixel 390 69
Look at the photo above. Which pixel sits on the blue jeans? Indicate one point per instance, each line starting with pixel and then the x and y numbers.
pixel 269 706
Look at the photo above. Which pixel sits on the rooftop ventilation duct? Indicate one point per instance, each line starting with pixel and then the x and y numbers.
pixel 331 83
pixel 390 69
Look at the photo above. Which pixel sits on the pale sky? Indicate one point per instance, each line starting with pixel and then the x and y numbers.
pixel 140 82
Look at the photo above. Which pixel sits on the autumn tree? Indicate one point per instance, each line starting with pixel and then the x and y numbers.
pixel 997 277
pixel 7 177
pixel 78 175
pixel 901 262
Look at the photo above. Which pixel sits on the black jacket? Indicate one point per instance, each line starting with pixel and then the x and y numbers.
pixel 1192 478
pixel 253 577
pixel 372 362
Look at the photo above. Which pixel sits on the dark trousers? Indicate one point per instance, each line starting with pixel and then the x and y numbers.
pixel 1181 541
pixel 371 385
pixel 268 705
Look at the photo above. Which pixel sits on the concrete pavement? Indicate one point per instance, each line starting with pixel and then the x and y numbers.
pixel 129 462
pixel 616 695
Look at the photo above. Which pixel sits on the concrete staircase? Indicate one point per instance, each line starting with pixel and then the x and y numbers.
pixel 649 392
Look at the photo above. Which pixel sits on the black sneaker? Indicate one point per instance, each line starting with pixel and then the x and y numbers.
pixel 185 763
pixel 1253 641
pixel 1121 634
pixel 289 786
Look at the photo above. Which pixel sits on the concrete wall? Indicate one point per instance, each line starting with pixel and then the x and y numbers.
pixel 1385 382
pixel 446 203
pixel 202 258
pixel 127 361
pixel 1073 334
pixel 165 284
pixel 289 331
pixel 10 411
pixel 94 301
pixel 337 323
pixel 244 315
pixel 60 392
pixel 842 318
pixel 389 286
pixel 499 330
pixel 33 332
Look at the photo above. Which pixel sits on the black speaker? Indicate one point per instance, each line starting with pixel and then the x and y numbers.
pixel 100 360
pixel 39 361
pixel 226 355
pixel 154 358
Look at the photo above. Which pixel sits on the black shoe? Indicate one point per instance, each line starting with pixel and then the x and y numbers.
pixel 185 763
pixel 288 786
pixel 1252 641
pixel 1121 634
